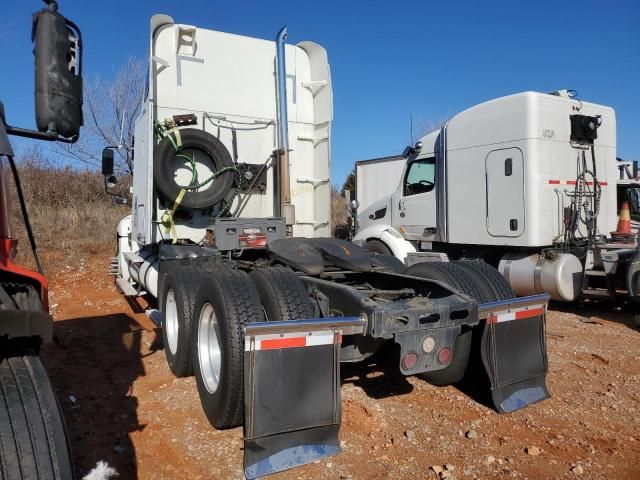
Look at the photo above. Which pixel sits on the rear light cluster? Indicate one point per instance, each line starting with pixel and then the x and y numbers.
pixel 429 344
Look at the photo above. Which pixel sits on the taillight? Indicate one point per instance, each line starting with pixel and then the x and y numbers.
pixel 409 361
pixel 252 240
pixel 444 355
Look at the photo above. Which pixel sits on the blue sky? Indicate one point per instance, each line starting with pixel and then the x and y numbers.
pixel 389 60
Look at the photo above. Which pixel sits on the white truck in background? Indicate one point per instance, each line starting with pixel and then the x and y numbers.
pixel 526 182
pixel 228 238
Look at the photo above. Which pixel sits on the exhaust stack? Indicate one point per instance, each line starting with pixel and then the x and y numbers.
pixel 287 210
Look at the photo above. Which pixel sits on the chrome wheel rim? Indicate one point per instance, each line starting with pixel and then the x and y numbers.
pixel 209 353
pixel 171 321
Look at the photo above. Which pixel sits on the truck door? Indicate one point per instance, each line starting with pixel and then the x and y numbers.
pixel 415 205
pixel 505 192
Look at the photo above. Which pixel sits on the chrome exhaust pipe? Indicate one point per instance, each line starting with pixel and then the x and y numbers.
pixel 281 78
pixel 287 210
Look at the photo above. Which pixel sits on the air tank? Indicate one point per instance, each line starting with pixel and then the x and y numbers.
pixel 558 274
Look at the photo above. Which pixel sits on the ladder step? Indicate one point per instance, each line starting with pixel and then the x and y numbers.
pixel 593 292
pixel 595 273
pixel 126 288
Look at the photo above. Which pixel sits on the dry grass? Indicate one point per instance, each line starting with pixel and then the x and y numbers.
pixel 71 215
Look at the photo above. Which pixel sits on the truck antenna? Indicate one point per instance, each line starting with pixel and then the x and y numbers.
pixel 411 127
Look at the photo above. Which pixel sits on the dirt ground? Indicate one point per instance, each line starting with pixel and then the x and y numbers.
pixel 122 404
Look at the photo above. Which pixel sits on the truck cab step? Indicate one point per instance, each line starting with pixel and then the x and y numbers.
pixel 595 273
pixel 126 288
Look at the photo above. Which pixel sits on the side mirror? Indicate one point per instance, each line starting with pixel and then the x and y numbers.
pixel 107 162
pixel 58 68
pixel 408 151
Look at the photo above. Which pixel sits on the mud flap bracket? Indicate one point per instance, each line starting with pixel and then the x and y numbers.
pixel 514 352
pixel 292 399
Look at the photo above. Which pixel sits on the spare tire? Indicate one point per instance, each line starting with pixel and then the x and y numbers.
pixel 210 156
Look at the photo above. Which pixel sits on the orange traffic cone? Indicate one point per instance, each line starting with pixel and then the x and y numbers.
pixel 624 222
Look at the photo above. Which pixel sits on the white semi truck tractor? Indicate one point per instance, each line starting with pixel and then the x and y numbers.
pixel 228 235
pixel 525 182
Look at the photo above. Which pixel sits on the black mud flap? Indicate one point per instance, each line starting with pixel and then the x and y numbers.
pixel 514 351
pixel 292 397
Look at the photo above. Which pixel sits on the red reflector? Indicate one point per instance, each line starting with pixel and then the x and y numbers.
pixel 252 240
pixel 534 312
pixel 283 343
pixel 409 361
pixel 444 355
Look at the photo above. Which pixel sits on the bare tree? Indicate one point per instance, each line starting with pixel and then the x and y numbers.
pixel 110 110
pixel 424 125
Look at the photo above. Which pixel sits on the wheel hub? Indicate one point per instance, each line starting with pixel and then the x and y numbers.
pixel 209 353
pixel 171 321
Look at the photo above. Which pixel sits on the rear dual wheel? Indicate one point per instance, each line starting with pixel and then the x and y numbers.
pixel 458 278
pixel 178 297
pixel 225 300
pixel 478 280
pixel 282 294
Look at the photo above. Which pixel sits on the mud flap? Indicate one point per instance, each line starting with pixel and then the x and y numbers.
pixel 292 397
pixel 514 351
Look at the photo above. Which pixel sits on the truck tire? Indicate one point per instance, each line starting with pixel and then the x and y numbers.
pixel 492 285
pixel 225 299
pixel 164 178
pixel 33 440
pixel 458 279
pixel 178 298
pixel 389 262
pixel 378 248
pixel 282 293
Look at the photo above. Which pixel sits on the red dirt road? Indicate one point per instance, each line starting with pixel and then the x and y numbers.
pixel 122 404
